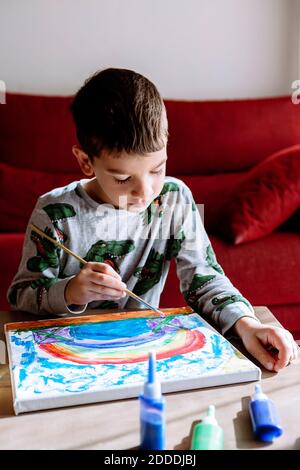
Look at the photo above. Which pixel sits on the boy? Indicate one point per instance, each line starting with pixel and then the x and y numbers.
pixel 128 220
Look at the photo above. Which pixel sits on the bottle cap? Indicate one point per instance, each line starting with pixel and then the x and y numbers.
pixel 264 417
pixel 152 388
pixel 258 393
pixel 208 435
pixel 152 410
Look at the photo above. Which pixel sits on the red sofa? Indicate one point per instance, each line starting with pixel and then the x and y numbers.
pixel 212 146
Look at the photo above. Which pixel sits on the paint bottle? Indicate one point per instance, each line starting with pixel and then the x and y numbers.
pixel 152 410
pixel 208 435
pixel 264 417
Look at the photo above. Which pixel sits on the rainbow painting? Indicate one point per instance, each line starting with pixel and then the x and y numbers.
pixel 87 359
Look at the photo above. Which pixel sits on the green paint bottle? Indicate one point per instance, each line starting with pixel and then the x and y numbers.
pixel 208 435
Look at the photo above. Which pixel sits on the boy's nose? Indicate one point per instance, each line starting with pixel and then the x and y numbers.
pixel 141 193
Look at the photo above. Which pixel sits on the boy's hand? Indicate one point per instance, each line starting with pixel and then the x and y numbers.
pixel 258 339
pixel 95 281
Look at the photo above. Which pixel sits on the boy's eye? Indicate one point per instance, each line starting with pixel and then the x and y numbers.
pixel 122 181
pixel 129 177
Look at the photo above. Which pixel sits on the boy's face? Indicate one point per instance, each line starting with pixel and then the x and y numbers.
pixel 128 181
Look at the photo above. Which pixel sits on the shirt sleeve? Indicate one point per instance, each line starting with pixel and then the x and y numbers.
pixel 202 280
pixel 39 284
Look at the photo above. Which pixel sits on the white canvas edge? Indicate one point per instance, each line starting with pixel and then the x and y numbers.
pixel 12 380
pixel 124 393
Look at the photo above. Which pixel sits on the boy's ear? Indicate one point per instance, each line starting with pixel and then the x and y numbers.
pixel 83 161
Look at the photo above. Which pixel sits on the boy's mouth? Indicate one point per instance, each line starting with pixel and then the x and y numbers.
pixel 135 206
pixel 138 204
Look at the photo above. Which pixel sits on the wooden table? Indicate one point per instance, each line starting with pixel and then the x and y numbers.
pixel 115 425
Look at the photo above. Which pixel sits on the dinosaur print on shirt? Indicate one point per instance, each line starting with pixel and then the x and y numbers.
pixel 156 206
pixel 192 295
pixel 150 273
pixel 109 252
pixel 57 212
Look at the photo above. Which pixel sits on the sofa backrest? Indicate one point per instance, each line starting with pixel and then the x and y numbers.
pixel 228 136
pixel 211 146
pixel 206 137
pixel 36 132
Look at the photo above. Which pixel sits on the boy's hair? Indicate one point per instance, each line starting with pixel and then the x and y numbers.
pixel 119 110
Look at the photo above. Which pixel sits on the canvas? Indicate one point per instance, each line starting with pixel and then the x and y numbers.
pixel 87 359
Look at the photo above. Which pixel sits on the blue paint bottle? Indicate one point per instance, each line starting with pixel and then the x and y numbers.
pixel 152 411
pixel 264 417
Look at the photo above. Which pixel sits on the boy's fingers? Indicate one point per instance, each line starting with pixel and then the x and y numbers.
pixel 105 291
pixel 97 297
pixel 103 268
pixel 285 351
pixel 106 279
pixel 101 279
pixel 107 282
pixel 278 338
pixel 259 352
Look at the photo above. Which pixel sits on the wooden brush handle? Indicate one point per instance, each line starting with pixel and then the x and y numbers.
pixel 63 247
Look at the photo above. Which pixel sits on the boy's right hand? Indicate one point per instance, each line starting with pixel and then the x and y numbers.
pixel 95 281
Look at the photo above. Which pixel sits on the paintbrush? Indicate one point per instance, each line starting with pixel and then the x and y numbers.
pixel 83 261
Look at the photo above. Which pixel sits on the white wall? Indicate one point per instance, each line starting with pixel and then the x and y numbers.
pixel 192 49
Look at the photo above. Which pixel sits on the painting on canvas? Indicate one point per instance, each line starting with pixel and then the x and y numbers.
pixel 71 361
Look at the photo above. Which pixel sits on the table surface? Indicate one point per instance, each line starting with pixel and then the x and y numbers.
pixel 115 425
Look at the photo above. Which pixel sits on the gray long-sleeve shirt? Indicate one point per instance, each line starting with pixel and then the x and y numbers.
pixel 139 246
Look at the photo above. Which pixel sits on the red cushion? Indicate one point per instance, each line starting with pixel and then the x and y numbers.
pixel 19 191
pixel 267 198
